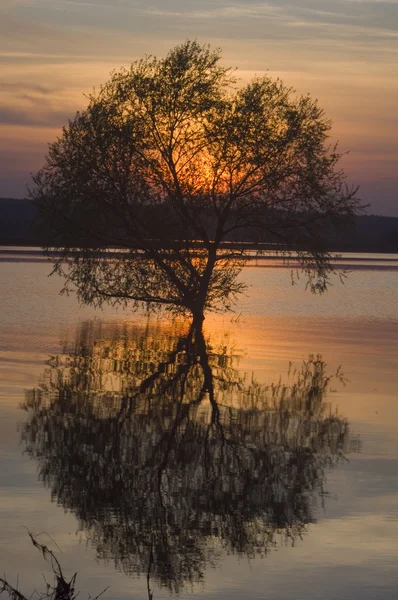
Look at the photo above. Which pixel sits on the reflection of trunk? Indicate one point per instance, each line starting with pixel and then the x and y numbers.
pixel 208 384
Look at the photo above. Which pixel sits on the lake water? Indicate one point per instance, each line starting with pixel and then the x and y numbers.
pixel 285 487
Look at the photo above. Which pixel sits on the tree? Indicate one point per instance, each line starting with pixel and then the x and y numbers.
pixel 170 161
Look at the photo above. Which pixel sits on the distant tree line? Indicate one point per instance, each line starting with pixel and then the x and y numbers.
pixel 368 233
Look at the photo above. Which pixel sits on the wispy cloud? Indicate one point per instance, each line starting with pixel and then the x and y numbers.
pixel 251 11
pixel 15 87
pixel 11 116
pixel 373 14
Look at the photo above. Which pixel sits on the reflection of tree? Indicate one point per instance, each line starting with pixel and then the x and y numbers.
pixel 165 451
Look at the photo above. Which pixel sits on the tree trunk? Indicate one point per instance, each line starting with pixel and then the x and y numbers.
pixel 201 297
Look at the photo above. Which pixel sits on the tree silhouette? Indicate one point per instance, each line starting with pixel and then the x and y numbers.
pixel 166 453
pixel 170 162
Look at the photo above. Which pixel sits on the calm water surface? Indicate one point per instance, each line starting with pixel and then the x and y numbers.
pixel 279 484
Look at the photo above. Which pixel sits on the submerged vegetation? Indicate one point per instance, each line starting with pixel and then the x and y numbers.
pixel 60 589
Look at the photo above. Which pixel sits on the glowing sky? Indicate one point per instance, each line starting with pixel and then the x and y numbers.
pixel 344 52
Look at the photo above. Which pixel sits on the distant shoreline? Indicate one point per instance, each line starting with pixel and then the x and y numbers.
pixel 344 260
pixel 367 234
pixel 245 246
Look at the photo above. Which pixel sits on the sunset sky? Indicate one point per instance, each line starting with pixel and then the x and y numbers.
pixel 343 52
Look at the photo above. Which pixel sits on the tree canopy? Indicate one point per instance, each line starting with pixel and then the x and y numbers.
pixel 171 161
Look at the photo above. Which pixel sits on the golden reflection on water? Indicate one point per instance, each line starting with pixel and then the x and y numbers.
pixel 165 450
